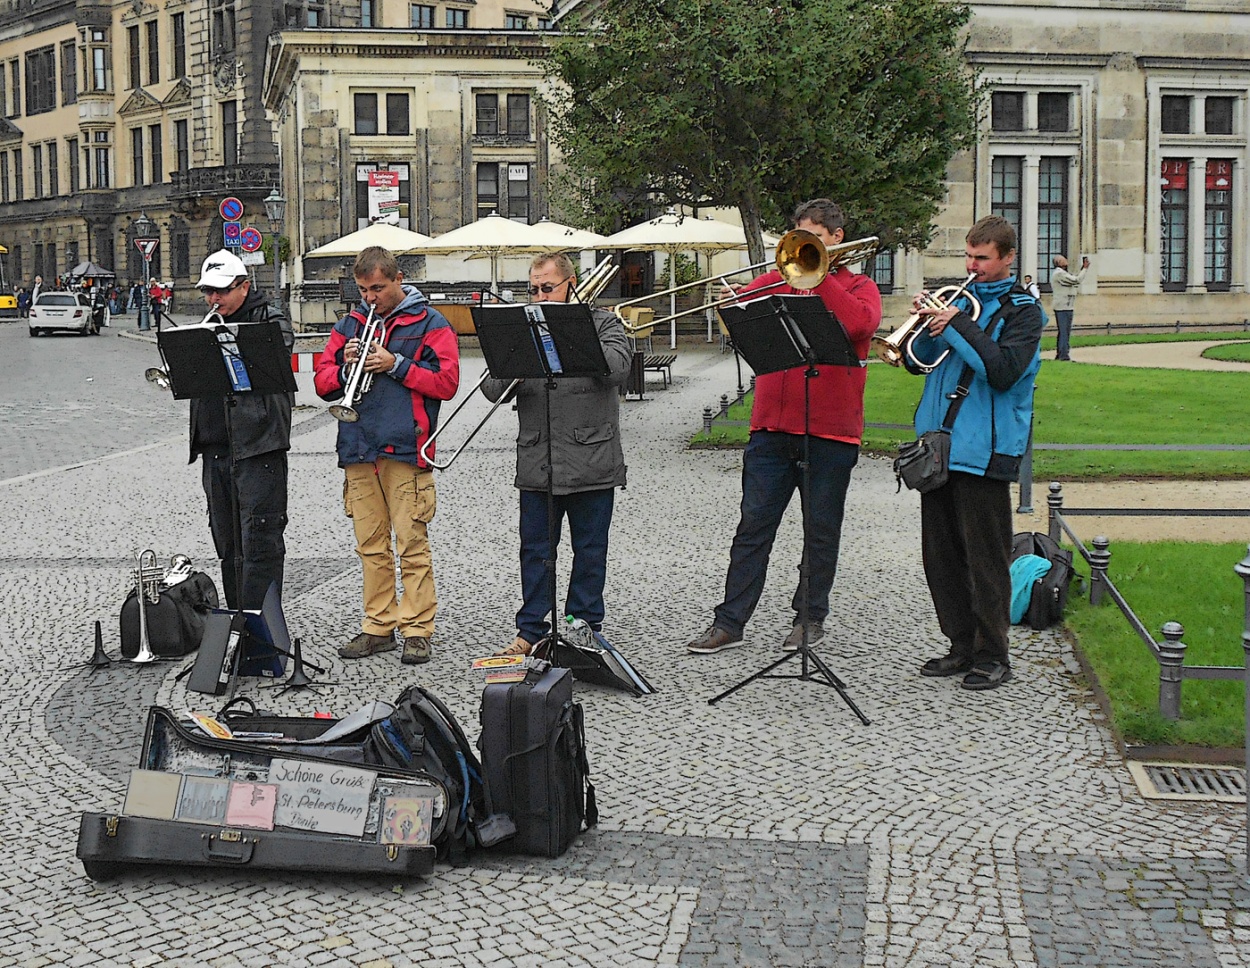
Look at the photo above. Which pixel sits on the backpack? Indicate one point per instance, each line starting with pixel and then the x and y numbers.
pixel 1049 595
pixel 422 734
pixel 175 623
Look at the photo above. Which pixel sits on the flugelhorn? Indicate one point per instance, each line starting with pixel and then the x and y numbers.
pixel 159 376
pixel 898 347
pixel 358 380
pixel 148 577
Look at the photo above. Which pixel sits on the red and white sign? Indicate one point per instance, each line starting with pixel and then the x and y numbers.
pixel 147 246
pixel 1219 175
pixel 384 196
pixel 1175 173
pixel 250 239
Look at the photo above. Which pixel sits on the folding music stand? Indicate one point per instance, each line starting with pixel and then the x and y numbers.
pixel 547 340
pixel 775 333
pixel 219 361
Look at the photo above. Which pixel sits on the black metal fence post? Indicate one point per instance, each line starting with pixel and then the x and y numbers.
pixel 707 420
pixel 1099 559
pixel 1054 505
pixel 1171 658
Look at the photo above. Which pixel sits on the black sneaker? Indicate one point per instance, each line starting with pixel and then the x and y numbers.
pixel 947 665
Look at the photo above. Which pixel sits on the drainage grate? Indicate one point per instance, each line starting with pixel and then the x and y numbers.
pixel 1177 781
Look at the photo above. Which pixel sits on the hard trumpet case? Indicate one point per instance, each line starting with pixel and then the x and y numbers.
pixel 173 752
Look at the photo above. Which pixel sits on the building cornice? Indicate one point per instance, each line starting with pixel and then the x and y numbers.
pixel 1015 58
pixel 1206 64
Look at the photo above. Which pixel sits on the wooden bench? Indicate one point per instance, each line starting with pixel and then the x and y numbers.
pixel 662 364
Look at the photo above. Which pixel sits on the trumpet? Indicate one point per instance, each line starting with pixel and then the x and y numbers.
pixel 147 578
pixel 359 381
pixel 898 347
pixel 802 259
pixel 159 376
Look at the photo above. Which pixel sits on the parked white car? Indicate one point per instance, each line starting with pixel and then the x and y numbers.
pixel 69 311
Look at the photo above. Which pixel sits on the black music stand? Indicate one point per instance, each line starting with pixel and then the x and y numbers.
pixel 777 333
pixel 219 361
pixel 514 342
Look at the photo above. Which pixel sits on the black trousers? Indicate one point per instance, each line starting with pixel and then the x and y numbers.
pixel 261 483
pixel 965 529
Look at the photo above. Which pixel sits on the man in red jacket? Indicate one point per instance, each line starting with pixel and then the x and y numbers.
pixel 772 465
pixel 415 364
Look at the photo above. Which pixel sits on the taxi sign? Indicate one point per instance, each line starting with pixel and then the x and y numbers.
pixel 232 235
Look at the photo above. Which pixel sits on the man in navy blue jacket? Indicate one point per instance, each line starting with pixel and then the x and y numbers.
pixel 966 524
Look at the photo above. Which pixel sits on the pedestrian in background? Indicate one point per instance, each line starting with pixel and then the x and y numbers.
pixel 1032 289
pixel 23 304
pixel 1065 286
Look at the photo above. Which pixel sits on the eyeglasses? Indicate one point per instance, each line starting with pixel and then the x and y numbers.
pixel 218 290
pixel 548 286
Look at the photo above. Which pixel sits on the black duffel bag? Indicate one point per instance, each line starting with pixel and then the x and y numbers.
pixel 175 623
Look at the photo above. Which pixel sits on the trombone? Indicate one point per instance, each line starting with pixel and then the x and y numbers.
pixel 586 291
pixel 359 381
pixel 802 259
pixel 898 347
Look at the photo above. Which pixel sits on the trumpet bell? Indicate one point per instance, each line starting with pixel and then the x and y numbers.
pixel 157 376
pixel 886 350
pixel 802 259
pixel 340 411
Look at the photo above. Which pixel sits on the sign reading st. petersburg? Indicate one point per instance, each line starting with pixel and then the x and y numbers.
pixel 250 239
pixel 231 209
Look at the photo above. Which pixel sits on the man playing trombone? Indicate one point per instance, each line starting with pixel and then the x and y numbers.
pixel 398 379
pixel 772 464
pixel 587 466
pixel 261 425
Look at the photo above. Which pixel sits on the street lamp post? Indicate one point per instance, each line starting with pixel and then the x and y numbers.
pixel 275 211
pixel 145 228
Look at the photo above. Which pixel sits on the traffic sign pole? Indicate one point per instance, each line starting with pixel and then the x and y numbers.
pixel 146 247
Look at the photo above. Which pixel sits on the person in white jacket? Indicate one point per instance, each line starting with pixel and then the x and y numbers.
pixel 1065 286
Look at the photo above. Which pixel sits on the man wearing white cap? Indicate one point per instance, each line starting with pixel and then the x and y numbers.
pixel 260 425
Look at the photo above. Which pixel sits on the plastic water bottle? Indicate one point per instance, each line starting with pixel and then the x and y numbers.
pixel 577 633
pixel 234 363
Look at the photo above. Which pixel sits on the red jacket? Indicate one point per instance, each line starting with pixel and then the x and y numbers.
pixel 837 392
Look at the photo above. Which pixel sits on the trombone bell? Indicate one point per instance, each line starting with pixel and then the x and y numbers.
pixel 802 259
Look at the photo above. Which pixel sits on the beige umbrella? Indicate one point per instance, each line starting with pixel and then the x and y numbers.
pixel 389 236
pixel 489 237
pixel 569 238
pixel 672 233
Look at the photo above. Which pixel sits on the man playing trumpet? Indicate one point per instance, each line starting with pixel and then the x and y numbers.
pixel 388 487
pixel 772 464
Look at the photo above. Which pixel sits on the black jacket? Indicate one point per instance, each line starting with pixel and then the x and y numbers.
pixel 261 423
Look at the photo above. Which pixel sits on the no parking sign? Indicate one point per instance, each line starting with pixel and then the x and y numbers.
pixel 250 239
pixel 231 209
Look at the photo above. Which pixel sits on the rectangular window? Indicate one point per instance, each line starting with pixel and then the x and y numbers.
pixel 515 21
pixel 132 56
pixel 1218 113
pixel 41 80
pixel 1217 235
pixel 99 69
pixel 1007 111
pixel 86 167
pixel 881 271
pixel 40 268
pixel 75 179
pixel 365 113
pixel 397 114
pixel 154 52
pixel 1005 196
pixel 1052 214
pixel 69 73
pixel 158 161
pixel 229 133
pixel 544 23
pixel 487 189
pixel 54 170
pixel 182 253
pixel 1174 225
pixel 4 176
pixel 223 25
pixel 4 94
pixel 15 87
pixel 36 169
pixel 368 13
pixel 178 25
pixel 102 179
pixel 518 115
pixel 422 17
pixel 136 154
pixel 458 19
pixel 1054 111
pixel 19 176
pixel 1174 114
pixel 519 193
pixel 486 113
pixel 182 146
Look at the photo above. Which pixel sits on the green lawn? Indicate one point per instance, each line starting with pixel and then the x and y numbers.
pixel 1190 583
pixel 1233 351
pixel 1078 403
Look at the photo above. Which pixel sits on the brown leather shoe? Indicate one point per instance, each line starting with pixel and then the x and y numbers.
pixel 815 632
pixel 715 639
pixel 519 646
pixel 416 650
pixel 367 644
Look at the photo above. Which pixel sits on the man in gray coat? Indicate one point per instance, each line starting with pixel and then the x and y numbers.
pixel 1065 285
pixel 587 466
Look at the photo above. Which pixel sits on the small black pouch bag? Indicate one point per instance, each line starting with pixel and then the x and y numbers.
pixel 924 464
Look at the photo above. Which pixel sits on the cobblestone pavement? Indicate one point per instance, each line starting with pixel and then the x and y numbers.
pixel 770 829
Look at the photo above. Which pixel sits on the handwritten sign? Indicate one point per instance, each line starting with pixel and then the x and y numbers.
pixel 322 797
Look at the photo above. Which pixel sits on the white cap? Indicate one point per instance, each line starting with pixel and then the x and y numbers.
pixel 221 269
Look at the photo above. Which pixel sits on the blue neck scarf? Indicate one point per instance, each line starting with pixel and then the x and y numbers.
pixel 991 295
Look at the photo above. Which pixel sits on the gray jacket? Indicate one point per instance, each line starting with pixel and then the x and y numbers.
pixel 585 422
pixel 1065 285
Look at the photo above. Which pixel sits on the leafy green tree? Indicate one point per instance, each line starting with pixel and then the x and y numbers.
pixel 758 106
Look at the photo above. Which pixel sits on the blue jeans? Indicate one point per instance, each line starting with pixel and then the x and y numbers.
pixel 590 516
pixel 771 472
pixel 1063 319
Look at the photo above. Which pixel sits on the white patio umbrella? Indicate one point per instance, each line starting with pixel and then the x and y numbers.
pixel 571 239
pixel 489 237
pixel 388 236
pixel 672 233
